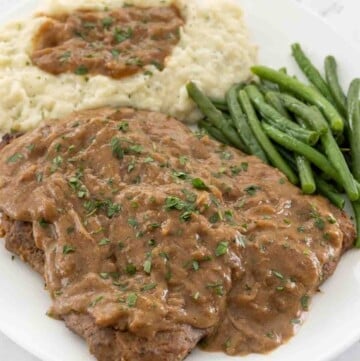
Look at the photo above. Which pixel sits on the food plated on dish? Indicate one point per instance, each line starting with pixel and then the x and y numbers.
pixel 152 238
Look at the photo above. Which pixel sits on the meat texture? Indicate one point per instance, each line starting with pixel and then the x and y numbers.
pixel 150 239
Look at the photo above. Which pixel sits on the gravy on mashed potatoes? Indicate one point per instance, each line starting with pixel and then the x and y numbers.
pixel 213 50
pixel 115 43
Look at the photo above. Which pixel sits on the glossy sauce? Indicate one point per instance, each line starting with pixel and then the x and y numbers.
pixel 116 43
pixel 145 226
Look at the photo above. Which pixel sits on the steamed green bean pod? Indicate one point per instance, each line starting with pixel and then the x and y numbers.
pixel 241 124
pixel 304 92
pixel 273 155
pixel 311 72
pixel 334 84
pixel 215 117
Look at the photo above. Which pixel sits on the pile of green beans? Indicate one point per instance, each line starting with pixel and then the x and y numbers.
pixel 311 132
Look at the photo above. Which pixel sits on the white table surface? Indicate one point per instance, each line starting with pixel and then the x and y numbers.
pixel 343 15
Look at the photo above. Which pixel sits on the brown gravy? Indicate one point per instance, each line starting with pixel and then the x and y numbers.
pixel 145 227
pixel 116 43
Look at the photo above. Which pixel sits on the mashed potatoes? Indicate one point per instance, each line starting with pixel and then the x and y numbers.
pixel 214 51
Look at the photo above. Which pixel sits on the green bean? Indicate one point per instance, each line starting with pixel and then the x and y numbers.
pixel 336 157
pixel 356 207
pixel 303 167
pixel 273 98
pixel 334 84
pixel 315 157
pixel 270 150
pixel 354 125
pixel 304 136
pixel 288 156
pixel 311 118
pixel 215 117
pixel 304 92
pixel 330 193
pixel 301 122
pixel 268 86
pixel 214 132
pixel 279 121
pixel 220 104
pixel 241 124
pixel 307 181
pixel 311 72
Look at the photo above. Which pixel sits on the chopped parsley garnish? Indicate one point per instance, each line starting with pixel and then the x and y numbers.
pixel 104 275
pixel 251 190
pixel 245 166
pixel 43 223
pixel 148 287
pixel 221 249
pixel 115 53
pixel 164 255
pixel 186 216
pixel 39 177
pixel 81 70
pixel 113 209
pixel 77 186
pixel 136 148
pixel 147 266
pixel 319 223
pixel 240 240
pixel 301 229
pixel 117 151
pixel 331 219
pixel 217 287
pixel 96 301
pixel 225 156
pixel 30 147
pixel 131 299
pixel 68 249
pixel 15 158
pixel 58 147
pixel 130 269
pixel 174 203
pixel 235 170
pixel 104 242
pixel 107 22
pixel 120 35
pixel 64 57
pixel 183 160
pixel 277 275
pixel 148 160
pixel 135 61
pixel 133 222
pixel 56 163
pixel 152 243
pixel 195 265
pixel 199 184
pixel 157 65
pixel 305 302
pixel 214 218
pixel 123 126
pixel 180 175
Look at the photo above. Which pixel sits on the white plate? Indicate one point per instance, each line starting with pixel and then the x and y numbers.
pixel 333 323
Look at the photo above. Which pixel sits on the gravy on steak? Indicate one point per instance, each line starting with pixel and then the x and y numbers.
pixel 116 43
pixel 152 238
